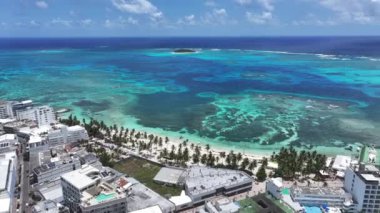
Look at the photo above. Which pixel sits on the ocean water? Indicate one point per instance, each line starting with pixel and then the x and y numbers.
pixel 251 94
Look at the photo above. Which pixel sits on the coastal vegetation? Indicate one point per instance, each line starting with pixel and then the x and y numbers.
pixel 291 163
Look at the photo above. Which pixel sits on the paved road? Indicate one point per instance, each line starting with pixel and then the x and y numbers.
pixel 24 198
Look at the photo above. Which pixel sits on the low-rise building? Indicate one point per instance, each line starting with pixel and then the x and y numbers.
pixel 56 168
pixel 8 142
pixel 49 206
pixel 274 187
pixel 222 205
pixel 318 196
pixel 202 183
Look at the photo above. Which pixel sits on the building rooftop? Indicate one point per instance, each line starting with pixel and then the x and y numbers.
pixel 300 191
pixel 102 193
pixel 8 137
pixel 201 180
pixel 370 177
pixel 169 175
pixel 55 163
pixel 82 178
pixel 141 197
pixel 153 209
pixel 51 190
pixel 341 162
pixel 46 206
pixel 75 128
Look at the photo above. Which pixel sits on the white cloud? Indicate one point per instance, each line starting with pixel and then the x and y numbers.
pixel 187 20
pixel 34 23
pixel 244 2
pixel 216 16
pixel 86 22
pixel 266 4
pixel 120 22
pixel 210 3
pixel 135 6
pixel 262 18
pixel 140 7
pixel 313 20
pixel 59 21
pixel 360 11
pixel 42 4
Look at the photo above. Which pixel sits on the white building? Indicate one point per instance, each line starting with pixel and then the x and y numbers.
pixel 63 134
pixel 363 182
pixel 8 142
pixel 51 171
pixel 202 183
pixel 42 115
pixel 5 110
pixel 37 144
pixel 8 174
pixel 84 191
pixel 274 187
pixel 341 162
pixel 319 196
pixel 222 205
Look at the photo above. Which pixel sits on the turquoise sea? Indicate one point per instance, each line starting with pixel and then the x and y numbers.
pixel 250 94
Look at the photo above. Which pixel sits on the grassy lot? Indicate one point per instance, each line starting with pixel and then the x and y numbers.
pixel 144 171
pixel 248 206
pixel 251 205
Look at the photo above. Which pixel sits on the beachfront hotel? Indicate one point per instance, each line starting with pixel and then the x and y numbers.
pixel 363 182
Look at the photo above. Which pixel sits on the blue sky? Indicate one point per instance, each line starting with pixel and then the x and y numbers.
pixel 63 18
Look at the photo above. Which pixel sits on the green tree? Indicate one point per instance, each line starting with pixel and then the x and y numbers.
pixel 261 175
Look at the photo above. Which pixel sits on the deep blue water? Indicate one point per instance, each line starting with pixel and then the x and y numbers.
pixel 358 46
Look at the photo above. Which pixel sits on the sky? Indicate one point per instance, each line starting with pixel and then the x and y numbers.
pixel 135 18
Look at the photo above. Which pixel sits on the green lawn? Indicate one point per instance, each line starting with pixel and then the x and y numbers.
pixel 144 171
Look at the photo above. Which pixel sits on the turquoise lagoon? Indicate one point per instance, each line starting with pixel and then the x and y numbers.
pixel 251 100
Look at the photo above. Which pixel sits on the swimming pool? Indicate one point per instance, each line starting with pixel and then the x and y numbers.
pixel 312 209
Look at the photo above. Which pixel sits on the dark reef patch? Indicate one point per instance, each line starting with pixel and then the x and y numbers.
pixel 92 105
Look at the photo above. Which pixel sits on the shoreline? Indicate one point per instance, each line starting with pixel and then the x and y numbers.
pixel 251 151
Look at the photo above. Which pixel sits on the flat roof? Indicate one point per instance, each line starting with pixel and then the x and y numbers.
pixel 5 204
pixel 141 197
pixel 34 139
pixel 8 137
pixel 320 191
pixel 204 179
pixel 181 200
pixel 370 177
pixel 80 178
pixel 341 162
pixel 75 128
pixel 169 175
pixel 153 209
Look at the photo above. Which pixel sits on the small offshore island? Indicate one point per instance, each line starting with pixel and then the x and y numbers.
pixel 184 51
